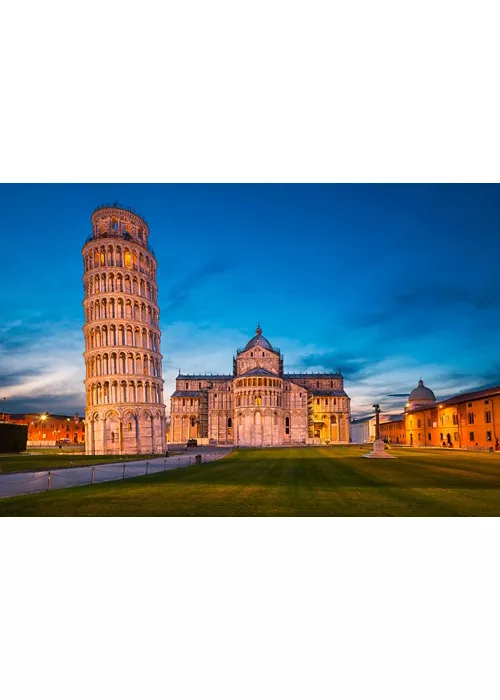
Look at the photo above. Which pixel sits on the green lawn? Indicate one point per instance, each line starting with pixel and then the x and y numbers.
pixel 42 461
pixel 308 481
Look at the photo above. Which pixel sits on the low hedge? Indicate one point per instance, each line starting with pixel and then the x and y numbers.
pixel 13 437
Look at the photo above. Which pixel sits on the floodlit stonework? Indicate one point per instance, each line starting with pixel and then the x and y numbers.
pixel 259 404
pixel 124 411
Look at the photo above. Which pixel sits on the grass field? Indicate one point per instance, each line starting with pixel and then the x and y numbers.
pixel 332 481
pixel 42 461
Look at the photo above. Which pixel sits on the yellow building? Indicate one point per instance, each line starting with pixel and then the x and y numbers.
pixel 468 421
pixel 465 420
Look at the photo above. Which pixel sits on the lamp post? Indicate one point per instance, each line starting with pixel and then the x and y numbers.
pixel 43 418
pixel 4 400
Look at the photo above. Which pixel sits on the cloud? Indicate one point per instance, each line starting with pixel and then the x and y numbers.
pixel 70 404
pixel 331 361
pixel 47 365
pixel 182 290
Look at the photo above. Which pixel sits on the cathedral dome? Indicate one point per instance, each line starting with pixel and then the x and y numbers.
pixel 421 394
pixel 258 340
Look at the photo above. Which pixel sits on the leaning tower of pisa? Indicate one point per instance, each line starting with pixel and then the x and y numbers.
pixel 124 411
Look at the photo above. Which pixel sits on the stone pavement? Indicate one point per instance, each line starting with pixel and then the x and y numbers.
pixel 34 482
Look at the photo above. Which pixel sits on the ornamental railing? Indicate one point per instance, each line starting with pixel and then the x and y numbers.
pixel 117 205
pixel 122 237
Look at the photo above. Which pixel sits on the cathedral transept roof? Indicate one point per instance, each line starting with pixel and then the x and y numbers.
pixel 258 371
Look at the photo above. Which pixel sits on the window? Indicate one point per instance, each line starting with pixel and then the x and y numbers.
pixel 471 418
pixel 441 436
pixel 469 405
pixel 429 436
pixel 486 402
pixel 130 426
pixel 487 417
pixel 112 437
pixel 326 402
pixel 193 422
pixel 419 423
pixel 419 436
pixel 187 385
pixel 317 402
pixel 251 354
pixel 429 424
pixel 263 354
pixel 455 437
pixel 455 419
pixel 287 422
pixel 488 435
pixel 229 422
pixel 441 421
pixel 317 385
pixel 471 437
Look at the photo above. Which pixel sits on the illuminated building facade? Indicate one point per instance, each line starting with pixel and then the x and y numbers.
pixel 258 404
pixel 50 429
pixel 469 420
pixel 124 411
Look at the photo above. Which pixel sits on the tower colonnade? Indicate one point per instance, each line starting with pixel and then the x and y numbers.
pixel 125 411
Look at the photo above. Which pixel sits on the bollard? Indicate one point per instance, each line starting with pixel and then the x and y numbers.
pixel 123 471
pixel 164 465
pixel 147 465
pixel 48 481
pixel 92 480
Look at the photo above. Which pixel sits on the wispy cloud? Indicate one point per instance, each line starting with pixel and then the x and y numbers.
pixel 180 292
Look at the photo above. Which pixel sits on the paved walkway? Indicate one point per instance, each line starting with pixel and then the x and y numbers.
pixel 34 482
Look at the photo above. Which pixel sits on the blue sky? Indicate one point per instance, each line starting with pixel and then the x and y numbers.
pixel 387 282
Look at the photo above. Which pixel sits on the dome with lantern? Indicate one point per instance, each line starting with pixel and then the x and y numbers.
pixel 258 340
pixel 421 396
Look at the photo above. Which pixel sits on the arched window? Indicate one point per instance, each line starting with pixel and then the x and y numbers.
pixel 287 422
pixel 317 385
pixel 130 426
pixel 112 437
pixel 229 423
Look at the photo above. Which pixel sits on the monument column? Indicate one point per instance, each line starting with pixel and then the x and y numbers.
pixel 379 451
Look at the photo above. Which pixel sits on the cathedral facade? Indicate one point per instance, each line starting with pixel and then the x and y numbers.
pixel 260 405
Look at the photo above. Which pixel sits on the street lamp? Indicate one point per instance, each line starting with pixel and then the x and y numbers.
pixel 4 400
